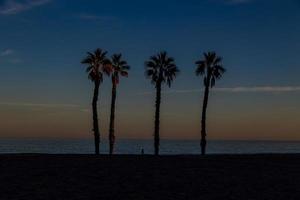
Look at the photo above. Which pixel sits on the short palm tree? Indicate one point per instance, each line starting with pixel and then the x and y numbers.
pixel 119 68
pixel 211 69
pixel 97 66
pixel 160 69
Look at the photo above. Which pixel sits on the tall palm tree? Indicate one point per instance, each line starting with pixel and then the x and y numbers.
pixel 119 68
pixel 211 69
pixel 160 69
pixel 97 66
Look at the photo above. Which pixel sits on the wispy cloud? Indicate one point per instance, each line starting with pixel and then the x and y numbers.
pixel 40 105
pixel 9 55
pixel 10 7
pixel 85 16
pixel 238 1
pixel 6 52
pixel 15 61
pixel 262 89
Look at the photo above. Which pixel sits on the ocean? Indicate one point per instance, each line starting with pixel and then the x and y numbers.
pixel 125 146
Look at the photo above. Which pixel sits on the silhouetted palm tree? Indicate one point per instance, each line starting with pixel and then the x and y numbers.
pixel 211 69
pixel 119 68
pixel 97 65
pixel 161 69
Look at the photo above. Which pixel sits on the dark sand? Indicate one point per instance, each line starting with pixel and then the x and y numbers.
pixel 135 177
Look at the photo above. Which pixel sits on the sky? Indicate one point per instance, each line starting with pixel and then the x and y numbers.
pixel 45 92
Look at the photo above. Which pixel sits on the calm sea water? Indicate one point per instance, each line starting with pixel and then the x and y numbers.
pixel 168 147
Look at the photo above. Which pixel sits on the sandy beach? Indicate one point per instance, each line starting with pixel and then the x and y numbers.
pixel 32 177
pixel 37 176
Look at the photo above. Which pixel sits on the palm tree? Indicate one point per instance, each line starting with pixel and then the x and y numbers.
pixel 211 69
pixel 160 69
pixel 119 68
pixel 97 65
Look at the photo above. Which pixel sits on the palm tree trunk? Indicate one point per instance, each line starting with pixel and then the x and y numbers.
pixel 95 117
pixel 203 121
pixel 157 116
pixel 112 119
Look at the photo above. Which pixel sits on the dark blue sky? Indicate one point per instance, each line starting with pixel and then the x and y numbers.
pixel 43 41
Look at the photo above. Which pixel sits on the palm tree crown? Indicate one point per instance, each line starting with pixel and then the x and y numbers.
pixel 119 67
pixel 97 64
pixel 161 68
pixel 211 68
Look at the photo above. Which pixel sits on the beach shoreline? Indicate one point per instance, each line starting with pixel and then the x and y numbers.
pixel 58 176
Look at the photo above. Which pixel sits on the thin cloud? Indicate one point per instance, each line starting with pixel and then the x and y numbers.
pixel 238 1
pixel 40 105
pixel 85 110
pixel 7 52
pixel 15 61
pixel 262 89
pixel 96 17
pixel 10 7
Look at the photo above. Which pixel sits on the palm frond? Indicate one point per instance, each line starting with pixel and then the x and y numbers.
pixel 96 63
pixel 217 60
pixel 212 82
pixel 161 68
pixel 201 67
pixel 210 67
pixel 119 66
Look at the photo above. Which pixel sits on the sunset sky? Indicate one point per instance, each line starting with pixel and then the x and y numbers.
pixel 45 92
